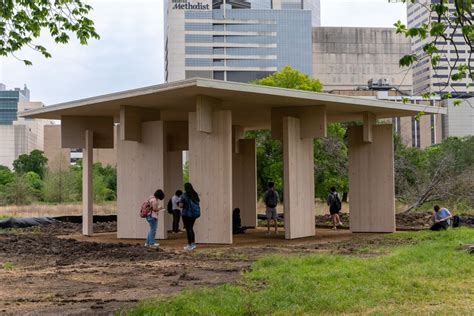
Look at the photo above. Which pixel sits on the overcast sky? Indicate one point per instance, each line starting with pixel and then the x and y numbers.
pixel 130 52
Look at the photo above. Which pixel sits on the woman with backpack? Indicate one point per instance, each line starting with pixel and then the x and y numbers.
pixel 189 202
pixel 334 203
pixel 150 209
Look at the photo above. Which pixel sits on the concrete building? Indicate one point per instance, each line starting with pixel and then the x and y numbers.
pixel 208 118
pixel 460 119
pixel 425 77
pixel 345 58
pixel 17 135
pixel 237 40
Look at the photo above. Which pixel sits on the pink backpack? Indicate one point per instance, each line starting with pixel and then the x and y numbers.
pixel 146 209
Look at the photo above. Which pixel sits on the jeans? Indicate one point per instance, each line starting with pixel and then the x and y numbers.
pixel 189 225
pixel 176 218
pixel 150 239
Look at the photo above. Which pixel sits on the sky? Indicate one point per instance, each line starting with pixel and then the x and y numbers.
pixel 130 52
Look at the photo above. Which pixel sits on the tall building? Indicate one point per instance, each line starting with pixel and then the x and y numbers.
pixel 18 135
pixel 346 58
pixel 237 40
pixel 426 78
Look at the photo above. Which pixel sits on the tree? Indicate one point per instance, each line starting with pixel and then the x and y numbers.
pixel 18 192
pixel 443 25
pixel 35 184
pixel 22 21
pixel 35 161
pixel 6 175
pixel 291 79
pixel 330 154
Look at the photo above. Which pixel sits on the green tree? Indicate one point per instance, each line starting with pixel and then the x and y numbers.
pixel 22 23
pixel 330 153
pixel 18 191
pixel 34 161
pixel 291 78
pixel 6 175
pixel 442 26
pixel 35 184
pixel 59 186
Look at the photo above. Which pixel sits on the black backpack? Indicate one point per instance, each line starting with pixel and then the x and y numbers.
pixel 456 221
pixel 336 203
pixel 271 199
pixel 169 207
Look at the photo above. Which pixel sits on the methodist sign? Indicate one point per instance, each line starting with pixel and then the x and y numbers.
pixel 188 5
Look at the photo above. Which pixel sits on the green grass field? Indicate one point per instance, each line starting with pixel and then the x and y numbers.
pixel 432 275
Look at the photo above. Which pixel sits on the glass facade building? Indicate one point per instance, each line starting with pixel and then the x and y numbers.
pixel 237 40
pixel 9 100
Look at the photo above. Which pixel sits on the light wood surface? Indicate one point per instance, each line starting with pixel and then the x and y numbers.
pixel 210 172
pixel 371 180
pixel 298 181
pixel 87 185
pixel 369 121
pixel 74 127
pixel 244 181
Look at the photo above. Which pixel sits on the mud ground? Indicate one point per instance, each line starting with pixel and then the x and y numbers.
pixel 44 271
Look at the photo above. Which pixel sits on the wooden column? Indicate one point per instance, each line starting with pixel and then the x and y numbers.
pixel 210 172
pixel 371 180
pixel 140 172
pixel 87 189
pixel 298 181
pixel 244 181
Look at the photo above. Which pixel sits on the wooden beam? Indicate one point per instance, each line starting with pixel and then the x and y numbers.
pixel 74 127
pixel 369 121
pixel 204 107
pixel 313 122
pixel 237 134
pixel 87 189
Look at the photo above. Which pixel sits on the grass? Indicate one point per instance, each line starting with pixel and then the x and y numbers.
pixel 8 266
pixel 434 275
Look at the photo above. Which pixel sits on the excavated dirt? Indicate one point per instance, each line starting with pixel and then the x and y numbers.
pixel 53 269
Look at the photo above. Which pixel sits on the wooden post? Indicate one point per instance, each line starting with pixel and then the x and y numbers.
pixel 87 189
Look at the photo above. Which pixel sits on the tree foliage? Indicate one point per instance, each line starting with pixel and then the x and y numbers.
pixel 442 26
pixel 442 172
pixel 22 21
pixel 291 78
pixel 34 161
pixel 330 154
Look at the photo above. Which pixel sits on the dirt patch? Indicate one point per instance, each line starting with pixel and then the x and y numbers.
pixel 43 273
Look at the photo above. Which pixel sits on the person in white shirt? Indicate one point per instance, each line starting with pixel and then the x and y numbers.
pixel 176 210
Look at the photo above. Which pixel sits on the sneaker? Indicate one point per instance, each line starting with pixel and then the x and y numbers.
pixel 334 228
pixel 188 248
pixel 152 246
pixel 340 223
pixel 193 246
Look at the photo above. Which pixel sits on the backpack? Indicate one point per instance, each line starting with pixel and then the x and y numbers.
pixel 335 203
pixel 146 209
pixel 271 199
pixel 194 209
pixel 169 207
pixel 456 221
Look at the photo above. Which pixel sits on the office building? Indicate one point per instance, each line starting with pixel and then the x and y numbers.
pixel 18 135
pixel 460 119
pixel 346 58
pixel 427 78
pixel 237 40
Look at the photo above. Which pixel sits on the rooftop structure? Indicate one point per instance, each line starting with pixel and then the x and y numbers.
pixel 208 118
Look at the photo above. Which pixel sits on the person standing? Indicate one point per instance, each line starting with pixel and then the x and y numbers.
pixel 442 218
pixel 176 210
pixel 335 205
pixel 189 202
pixel 271 198
pixel 155 205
